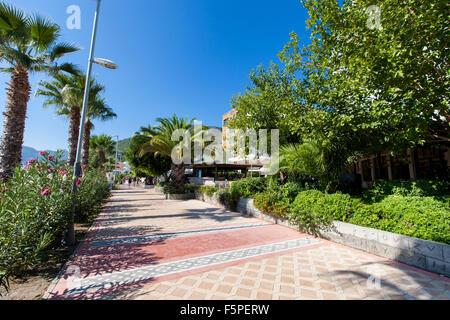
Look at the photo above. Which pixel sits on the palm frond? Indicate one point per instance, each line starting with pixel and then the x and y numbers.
pixel 43 32
pixel 61 49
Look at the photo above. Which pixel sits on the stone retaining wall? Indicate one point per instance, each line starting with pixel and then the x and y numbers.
pixel 183 196
pixel 427 255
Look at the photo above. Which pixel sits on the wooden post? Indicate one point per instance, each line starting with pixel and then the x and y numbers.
pixel 412 164
pixel 372 168
pixel 389 167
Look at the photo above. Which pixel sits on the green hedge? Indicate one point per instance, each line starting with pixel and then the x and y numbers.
pixel 208 190
pixel 419 188
pixel 228 198
pixel 248 187
pixel 312 208
pixel 420 217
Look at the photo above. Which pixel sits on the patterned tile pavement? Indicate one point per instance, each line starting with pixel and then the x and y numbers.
pixel 145 247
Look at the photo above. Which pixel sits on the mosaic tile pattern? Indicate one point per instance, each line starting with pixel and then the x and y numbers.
pixel 162 236
pixel 323 270
pixel 148 272
pixel 329 272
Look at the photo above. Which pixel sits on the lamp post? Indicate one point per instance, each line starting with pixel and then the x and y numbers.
pixel 115 161
pixel 69 236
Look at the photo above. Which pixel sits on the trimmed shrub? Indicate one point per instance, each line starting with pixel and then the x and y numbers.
pixel 290 190
pixel 172 188
pixel 420 217
pixel 406 188
pixel 312 209
pixel 190 187
pixel 228 198
pixel 249 187
pixel 208 190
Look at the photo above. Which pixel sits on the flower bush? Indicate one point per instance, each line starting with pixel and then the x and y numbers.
pixel 93 188
pixel 272 203
pixel 34 210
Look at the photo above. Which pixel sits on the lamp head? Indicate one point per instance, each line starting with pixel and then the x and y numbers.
pixel 105 63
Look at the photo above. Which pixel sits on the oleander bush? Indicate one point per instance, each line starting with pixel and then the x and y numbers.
pixel 35 204
pixel 420 217
pixel 93 189
pixel 248 187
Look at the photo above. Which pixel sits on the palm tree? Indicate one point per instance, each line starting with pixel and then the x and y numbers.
pixel 104 146
pixel 66 94
pixel 27 43
pixel 97 109
pixel 305 158
pixel 161 143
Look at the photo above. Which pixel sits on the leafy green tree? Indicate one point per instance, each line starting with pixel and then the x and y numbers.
pixel 266 103
pixel 27 43
pixel 387 85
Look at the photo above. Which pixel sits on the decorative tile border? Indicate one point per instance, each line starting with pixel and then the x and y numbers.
pixel 144 273
pixel 427 255
pixel 162 236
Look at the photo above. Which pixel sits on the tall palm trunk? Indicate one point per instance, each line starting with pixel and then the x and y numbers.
pixel 102 155
pixel 74 131
pixel 18 95
pixel 86 141
pixel 177 174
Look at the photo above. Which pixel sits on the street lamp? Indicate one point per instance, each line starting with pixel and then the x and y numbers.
pixel 69 237
pixel 115 161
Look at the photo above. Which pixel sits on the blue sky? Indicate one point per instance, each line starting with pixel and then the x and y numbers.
pixel 187 57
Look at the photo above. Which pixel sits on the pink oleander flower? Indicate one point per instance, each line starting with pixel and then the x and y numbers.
pixel 51 158
pixel 63 172
pixel 31 161
pixel 46 191
pixel 42 153
pixel 50 170
pixel 78 182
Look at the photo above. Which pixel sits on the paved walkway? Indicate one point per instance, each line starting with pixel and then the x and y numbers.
pixel 145 247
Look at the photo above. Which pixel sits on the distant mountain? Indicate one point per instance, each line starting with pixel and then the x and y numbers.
pixel 28 153
pixel 123 144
